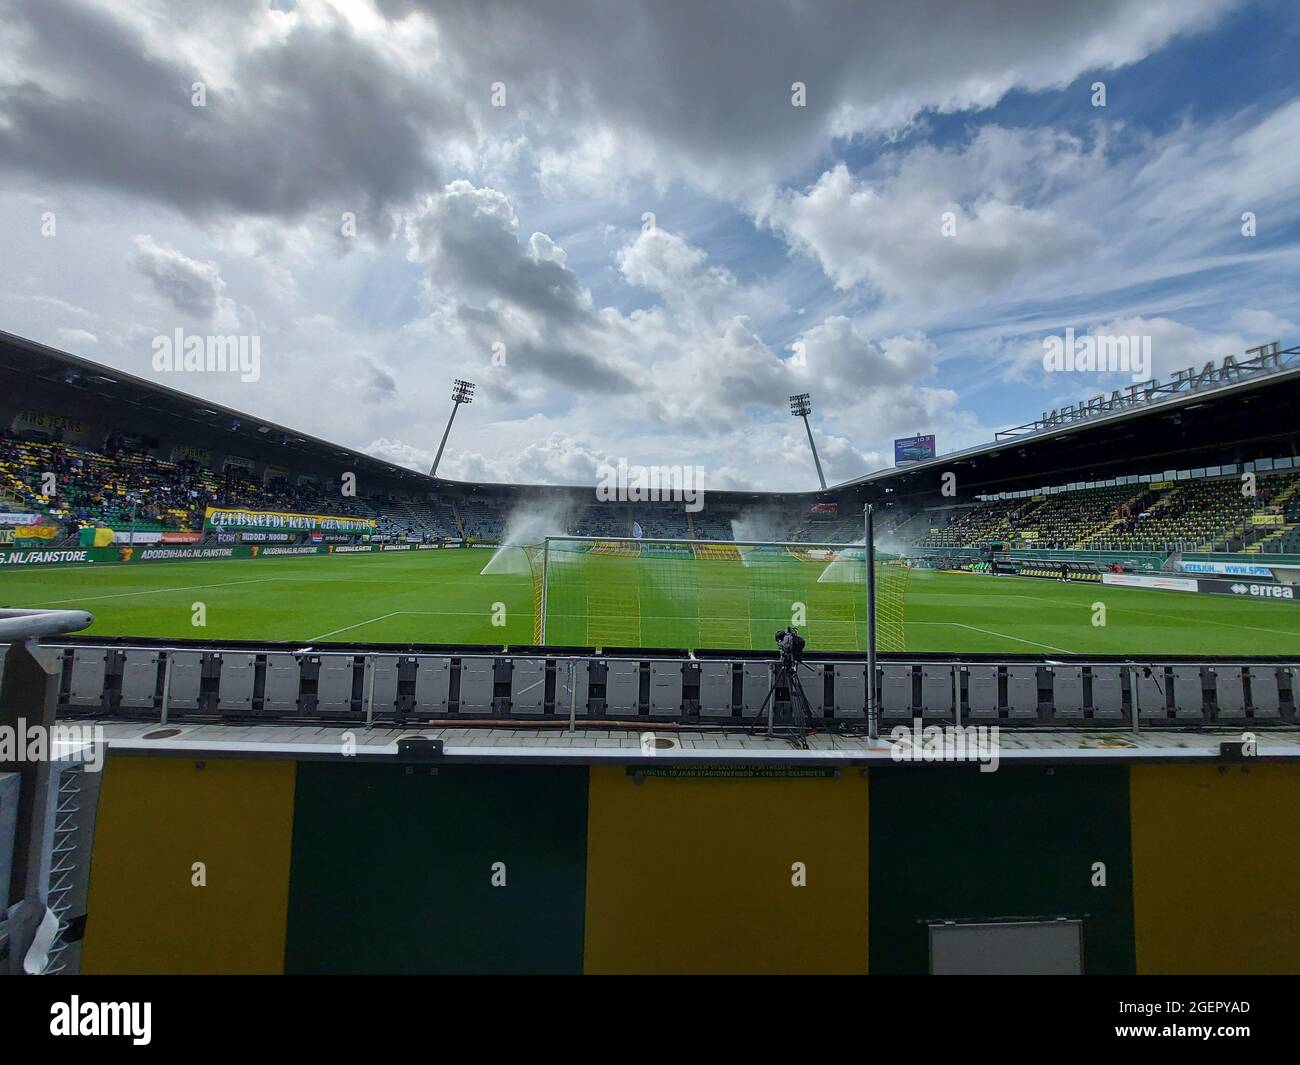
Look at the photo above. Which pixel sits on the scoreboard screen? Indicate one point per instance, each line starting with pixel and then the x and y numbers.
pixel 913 449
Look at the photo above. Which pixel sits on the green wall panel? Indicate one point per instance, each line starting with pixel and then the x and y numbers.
pixel 392 869
pixel 950 843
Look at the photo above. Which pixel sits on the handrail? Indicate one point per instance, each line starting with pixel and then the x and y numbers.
pixel 26 624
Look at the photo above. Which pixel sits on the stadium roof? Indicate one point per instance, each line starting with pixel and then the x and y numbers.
pixel 39 368
pixel 1239 411
pixel 185 415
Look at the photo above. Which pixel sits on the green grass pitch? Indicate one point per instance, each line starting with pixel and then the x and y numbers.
pixel 441 597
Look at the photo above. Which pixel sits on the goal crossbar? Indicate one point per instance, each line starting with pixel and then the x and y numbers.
pixel 692 540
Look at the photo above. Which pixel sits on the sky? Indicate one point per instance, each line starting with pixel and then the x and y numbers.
pixel 639 227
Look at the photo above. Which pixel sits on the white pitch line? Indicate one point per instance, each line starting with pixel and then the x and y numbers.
pixel 369 621
pixel 721 618
pixel 395 613
pixel 155 591
pixel 991 632
pixel 1123 606
pixel 1210 621
pixel 1017 639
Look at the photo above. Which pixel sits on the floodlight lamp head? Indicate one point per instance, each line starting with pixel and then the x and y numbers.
pixel 462 391
pixel 800 405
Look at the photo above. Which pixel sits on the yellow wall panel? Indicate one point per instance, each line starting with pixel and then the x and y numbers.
pixel 157 817
pixel 1216 861
pixel 695 875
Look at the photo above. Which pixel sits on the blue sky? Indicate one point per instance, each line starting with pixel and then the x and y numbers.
pixel 793 249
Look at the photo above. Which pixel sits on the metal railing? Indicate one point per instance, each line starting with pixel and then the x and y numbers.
pixel 32 624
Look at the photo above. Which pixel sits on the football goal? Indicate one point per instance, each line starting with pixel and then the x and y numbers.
pixel 719 594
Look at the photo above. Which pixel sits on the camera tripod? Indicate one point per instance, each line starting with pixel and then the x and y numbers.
pixel 798 729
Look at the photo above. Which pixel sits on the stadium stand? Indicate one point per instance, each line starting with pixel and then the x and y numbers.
pixel 104 487
pixel 1203 515
pixel 973 524
pixel 1200 514
pixel 107 487
pixel 120 488
pixel 116 466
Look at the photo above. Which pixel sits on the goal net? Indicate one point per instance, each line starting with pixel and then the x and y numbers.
pixel 719 594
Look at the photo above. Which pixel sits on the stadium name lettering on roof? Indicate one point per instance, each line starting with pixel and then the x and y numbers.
pixel 1266 358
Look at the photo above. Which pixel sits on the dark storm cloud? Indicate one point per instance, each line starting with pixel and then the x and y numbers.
pixel 381 385
pixel 319 113
pixel 519 294
pixel 567 356
pixel 485 257
pixel 318 117
pixel 710 83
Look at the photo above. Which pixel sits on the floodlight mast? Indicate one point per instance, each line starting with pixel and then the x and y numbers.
pixel 869 541
pixel 801 407
pixel 461 392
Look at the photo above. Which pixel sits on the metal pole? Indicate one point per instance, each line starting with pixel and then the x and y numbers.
pixel 29 696
pixel 546 557
pixel 438 457
pixel 573 695
pixel 1133 698
pixel 812 445
pixel 370 692
pixel 870 543
pixel 770 701
pixel 167 689
pixel 134 504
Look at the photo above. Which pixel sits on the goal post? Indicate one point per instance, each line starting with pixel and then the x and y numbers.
pixel 713 594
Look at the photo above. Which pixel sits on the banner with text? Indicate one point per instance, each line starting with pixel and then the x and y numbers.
pixel 264 520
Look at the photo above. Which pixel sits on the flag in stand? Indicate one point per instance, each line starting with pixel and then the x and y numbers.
pixel 637 531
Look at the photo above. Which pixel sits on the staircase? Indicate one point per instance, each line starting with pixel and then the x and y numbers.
pixel 1287 494
pixel 1133 504
pixel 1275 533
pixel 418 521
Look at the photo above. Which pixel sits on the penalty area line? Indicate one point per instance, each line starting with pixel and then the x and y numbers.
pixel 156 591
pixel 397 613
pixel 991 632
pixel 348 628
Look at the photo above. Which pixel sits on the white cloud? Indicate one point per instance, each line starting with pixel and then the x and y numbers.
pixel 194 288
pixel 554 458
pixel 76 338
pixel 940 225
pixel 400 454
